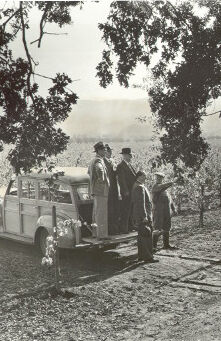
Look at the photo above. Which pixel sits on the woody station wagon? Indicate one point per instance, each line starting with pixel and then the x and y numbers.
pixel 26 210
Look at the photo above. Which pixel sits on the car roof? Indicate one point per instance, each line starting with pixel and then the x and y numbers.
pixel 72 175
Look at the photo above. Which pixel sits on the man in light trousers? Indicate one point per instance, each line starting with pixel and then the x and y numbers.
pixel 99 188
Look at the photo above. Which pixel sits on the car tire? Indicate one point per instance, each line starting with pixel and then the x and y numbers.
pixel 43 241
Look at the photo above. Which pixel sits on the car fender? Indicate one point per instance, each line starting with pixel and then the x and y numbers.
pixel 65 241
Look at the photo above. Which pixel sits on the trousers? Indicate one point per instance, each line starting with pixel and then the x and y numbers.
pixel 125 213
pixel 144 242
pixel 100 215
pixel 157 234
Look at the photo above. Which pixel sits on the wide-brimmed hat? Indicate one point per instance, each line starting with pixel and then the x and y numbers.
pixel 126 151
pixel 160 174
pixel 108 147
pixel 98 146
pixel 140 173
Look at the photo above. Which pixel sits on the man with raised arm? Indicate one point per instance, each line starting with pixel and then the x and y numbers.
pixel 162 207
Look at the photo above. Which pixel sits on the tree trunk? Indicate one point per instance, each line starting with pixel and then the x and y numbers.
pixel 202 206
pixel 179 202
pixel 220 194
pixel 56 254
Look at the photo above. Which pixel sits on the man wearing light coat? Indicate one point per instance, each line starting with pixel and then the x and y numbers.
pixel 99 188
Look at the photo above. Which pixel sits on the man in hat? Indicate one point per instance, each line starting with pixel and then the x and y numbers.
pixel 113 194
pixel 141 214
pixel 99 187
pixel 162 206
pixel 126 177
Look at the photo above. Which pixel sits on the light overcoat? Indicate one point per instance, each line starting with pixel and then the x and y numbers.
pixel 99 181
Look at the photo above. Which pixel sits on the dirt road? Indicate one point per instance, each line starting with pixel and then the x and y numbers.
pixel 113 297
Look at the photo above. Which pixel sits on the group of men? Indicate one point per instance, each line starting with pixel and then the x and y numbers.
pixel 122 202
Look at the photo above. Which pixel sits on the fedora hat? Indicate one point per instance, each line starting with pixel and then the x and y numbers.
pixel 98 146
pixel 108 147
pixel 126 151
pixel 160 174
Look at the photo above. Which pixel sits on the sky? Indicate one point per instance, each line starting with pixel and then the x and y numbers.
pixel 77 52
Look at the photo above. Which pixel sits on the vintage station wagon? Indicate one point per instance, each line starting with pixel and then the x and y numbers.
pixel 26 209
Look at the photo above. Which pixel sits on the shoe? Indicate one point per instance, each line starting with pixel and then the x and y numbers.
pixel 169 247
pixel 151 260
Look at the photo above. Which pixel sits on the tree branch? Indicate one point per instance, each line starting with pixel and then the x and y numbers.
pixel 27 54
pixel 37 74
pixel 178 15
pixel 3 59
pixel 55 34
pixel 5 23
pixel 42 23
pixel 213 113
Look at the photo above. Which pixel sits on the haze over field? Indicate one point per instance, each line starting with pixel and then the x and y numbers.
pixel 117 118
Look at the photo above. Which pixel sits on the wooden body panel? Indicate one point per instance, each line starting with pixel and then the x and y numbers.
pixel 25 209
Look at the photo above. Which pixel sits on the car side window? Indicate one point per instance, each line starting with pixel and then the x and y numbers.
pixel 28 189
pixel 44 191
pixel 61 193
pixel 56 193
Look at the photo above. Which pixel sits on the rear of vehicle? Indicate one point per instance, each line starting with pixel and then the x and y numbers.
pixel 26 210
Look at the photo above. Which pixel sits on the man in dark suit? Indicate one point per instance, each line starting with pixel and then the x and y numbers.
pixel 126 177
pixel 141 214
pixel 162 207
pixel 113 194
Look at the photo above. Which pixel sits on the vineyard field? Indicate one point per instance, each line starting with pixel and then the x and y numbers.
pixel 186 196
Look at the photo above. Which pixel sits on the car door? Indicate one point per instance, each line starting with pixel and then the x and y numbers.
pixel 28 207
pixel 12 208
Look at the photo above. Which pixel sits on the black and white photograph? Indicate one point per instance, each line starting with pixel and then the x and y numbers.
pixel 110 170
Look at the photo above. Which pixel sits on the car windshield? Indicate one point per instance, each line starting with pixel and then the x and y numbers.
pixel 13 190
pixel 83 193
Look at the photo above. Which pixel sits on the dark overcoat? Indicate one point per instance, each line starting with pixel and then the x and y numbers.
pixel 141 204
pixel 141 209
pixel 126 177
pixel 113 195
pixel 161 207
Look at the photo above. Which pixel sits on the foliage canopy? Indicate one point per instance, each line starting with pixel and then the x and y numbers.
pixel 180 46
pixel 27 119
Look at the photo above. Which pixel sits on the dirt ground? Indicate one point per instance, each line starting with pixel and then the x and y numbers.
pixel 110 296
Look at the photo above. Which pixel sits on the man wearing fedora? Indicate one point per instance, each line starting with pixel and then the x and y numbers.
pixel 113 194
pixel 162 206
pixel 141 214
pixel 126 177
pixel 99 188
